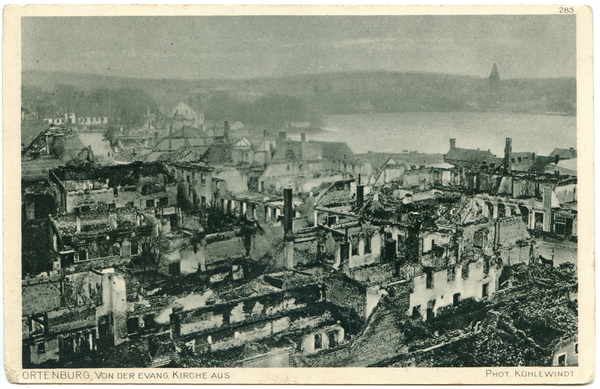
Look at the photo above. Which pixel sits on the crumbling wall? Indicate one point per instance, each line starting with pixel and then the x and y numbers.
pixel 510 230
pixel 437 290
pixel 378 274
pixel 222 250
pixel 434 238
pixel 399 293
pixel 364 258
pixel 40 294
pixel 330 337
pixel 71 319
pixel 51 352
pixel 121 197
pixel 253 308
pixel 346 292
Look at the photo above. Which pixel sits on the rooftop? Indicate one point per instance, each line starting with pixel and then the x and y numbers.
pixel 117 175
pixel 468 155
pixel 98 221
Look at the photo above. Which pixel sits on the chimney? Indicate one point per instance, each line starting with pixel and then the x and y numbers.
pixel 360 196
pixel 288 253
pixel 452 143
pixel 572 150
pixel 547 197
pixel 282 135
pixel 156 137
pixel 112 219
pixel 265 133
pixel 303 138
pixel 507 153
pixel 532 157
pixel 226 131
pixel 288 211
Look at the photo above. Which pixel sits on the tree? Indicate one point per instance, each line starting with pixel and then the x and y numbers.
pixel 248 230
pixel 216 219
pixel 111 135
pixel 152 248
pixel 130 106
pixel 57 148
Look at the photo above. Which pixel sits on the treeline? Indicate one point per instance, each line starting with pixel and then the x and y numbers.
pixel 125 106
pixel 272 110
pixel 271 102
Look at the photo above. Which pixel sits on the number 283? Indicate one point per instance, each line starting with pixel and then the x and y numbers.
pixel 566 10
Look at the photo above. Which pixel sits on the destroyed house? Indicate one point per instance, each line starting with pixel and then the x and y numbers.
pixel 97 239
pixel 67 319
pixel 56 335
pixel 307 165
pixel 234 323
pixel 289 305
pixel 184 137
pixel 555 212
pixel 142 185
pixel 195 181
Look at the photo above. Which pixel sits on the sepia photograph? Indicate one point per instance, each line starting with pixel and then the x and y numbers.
pixel 212 191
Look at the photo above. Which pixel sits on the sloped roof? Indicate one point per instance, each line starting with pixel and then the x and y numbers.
pixel 468 155
pixel 568 164
pixel 293 148
pixel 186 154
pixel 408 159
pixel 243 143
pixel 218 154
pixel 540 163
pixel 186 135
pixel 335 150
pixel 563 153
pixel 184 111
pixel 117 175
pixel 186 132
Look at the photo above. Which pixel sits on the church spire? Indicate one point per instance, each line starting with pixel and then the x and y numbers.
pixel 494 78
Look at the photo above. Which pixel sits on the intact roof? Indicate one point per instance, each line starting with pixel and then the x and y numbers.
pixel 184 155
pixel 186 132
pixel 218 154
pixel 568 164
pixel 468 155
pixel 186 136
pixel 317 150
pixel 243 143
pixel 563 153
pixel 378 159
pixel 117 175
pixel 540 163
pixel 184 111
pixel 335 150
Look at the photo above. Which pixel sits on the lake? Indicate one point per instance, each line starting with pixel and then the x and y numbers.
pixel 429 132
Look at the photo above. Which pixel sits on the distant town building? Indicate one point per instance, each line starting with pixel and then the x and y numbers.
pixel 184 115
pixel 494 79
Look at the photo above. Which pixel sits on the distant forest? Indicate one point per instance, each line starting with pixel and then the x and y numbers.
pixel 274 101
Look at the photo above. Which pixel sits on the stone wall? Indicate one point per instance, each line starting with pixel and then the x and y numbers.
pixel 256 308
pixel 346 292
pixel 437 289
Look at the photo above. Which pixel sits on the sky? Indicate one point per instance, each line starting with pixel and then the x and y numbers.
pixel 200 47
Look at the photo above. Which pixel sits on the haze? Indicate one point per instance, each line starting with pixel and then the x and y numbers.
pixel 240 47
